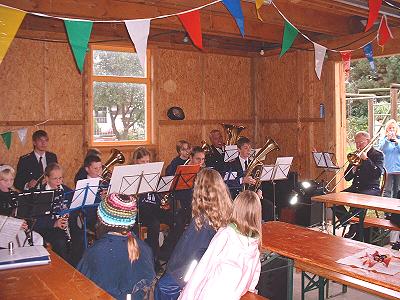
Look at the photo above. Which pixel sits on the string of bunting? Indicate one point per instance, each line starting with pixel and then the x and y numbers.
pixel 79 31
pixel 6 136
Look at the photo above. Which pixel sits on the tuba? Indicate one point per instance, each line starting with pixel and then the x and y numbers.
pixel 116 157
pixel 232 133
pixel 256 166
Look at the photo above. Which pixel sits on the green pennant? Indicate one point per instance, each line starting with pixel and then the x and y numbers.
pixel 78 35
pixel 6 136
pixel 289 35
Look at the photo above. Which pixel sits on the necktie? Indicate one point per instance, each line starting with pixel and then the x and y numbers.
pixel 246 165
pixel 41 165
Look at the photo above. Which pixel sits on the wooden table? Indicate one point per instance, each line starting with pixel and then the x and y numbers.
pixel 58 280
pixel 390 205
pixel 317 252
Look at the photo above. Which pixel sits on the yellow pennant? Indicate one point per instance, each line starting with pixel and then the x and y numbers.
pixel 10 20
pixel 259 3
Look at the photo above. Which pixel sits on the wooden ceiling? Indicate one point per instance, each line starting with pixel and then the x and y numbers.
pixel 319 19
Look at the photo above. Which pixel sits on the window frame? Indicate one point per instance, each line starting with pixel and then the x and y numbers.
pixel 141 80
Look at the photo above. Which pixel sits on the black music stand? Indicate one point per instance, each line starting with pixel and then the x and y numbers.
pixel 31 205
pixel 274 173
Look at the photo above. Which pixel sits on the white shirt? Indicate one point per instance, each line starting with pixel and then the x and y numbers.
pixel 44 162
pixel 242 162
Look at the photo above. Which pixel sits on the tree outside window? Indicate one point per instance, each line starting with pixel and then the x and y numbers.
pixel 119 97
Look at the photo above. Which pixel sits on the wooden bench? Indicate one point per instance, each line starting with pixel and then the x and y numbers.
pixel 383 225
pixel 143 230
pixel 252 296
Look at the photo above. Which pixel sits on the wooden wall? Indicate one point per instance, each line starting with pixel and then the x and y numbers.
pixel 272 97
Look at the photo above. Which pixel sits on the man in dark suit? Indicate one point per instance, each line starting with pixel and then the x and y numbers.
pixel 365 178
pixel 215 158
pixel 31 166
pixel 183 149
pixel 239 166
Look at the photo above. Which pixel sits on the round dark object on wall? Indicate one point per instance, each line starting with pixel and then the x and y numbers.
pixel 175 113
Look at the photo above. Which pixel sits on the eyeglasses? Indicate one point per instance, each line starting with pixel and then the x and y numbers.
pixel 56 178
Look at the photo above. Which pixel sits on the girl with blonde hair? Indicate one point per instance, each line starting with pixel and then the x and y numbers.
pixel 211 210
pixel 232 260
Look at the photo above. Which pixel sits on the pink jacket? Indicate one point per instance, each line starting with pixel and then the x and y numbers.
pixel 229 268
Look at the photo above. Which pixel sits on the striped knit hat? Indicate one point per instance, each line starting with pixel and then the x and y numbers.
pixel 117 210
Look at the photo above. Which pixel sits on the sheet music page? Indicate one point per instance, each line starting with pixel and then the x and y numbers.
pixel 151 174
pixel 253 153
pixel 231 152
pixel 282 167
pixel 9 228
pixel 165 183
pixel 230 176
pixel 328 160
pixel 23 253
pixel 266 173
pixel 319 160
pixel 80 190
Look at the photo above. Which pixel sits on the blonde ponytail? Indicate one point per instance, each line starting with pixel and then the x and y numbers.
pixel 133 248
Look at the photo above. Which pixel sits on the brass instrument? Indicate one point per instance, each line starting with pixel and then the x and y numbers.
pixel 232 133
pixel 116 157
pixel 256 166
pixel 206 147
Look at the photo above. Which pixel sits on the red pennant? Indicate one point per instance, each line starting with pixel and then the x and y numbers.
pixel 374 7
pixel 384 33
pixel 191 22
pixel 346 57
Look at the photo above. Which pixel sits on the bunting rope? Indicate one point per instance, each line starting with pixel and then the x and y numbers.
pixel 182 13
pixel 34 125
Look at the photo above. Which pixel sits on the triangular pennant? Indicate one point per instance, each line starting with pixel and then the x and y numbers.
pixel 374 7
pixel 6 136
pixel 369 54
pixel 139 33
pixel 235 8
pixel 346 57
pixel 10 20
pixel 22 135
pixel 384 33
pixel 289 34
pixel 259 3
pixel 78 35
pixel 191 22
pixel 319 54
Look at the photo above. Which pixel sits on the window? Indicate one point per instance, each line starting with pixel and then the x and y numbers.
pixel 119 97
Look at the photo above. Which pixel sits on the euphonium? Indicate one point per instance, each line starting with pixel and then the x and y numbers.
pixel 256 166
pixel 116 157
pixel 232 133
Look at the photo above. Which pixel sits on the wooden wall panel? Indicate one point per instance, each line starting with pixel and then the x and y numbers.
pixel 22 81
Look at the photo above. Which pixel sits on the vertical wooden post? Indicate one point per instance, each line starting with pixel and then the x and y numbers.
pixel 371 116
pixel 393 102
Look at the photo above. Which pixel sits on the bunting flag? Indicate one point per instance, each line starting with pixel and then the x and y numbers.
pixel 191 22
pixel 10 20
pixel 6 136
pixel 78 35
pixel 346 57
pixel 369 54
pixel 259 3
pixel 234 7
pixel 22 135
pixel 289 34
pixel 374 7
pixel 384 33
pixel 139 33
pixel 319 54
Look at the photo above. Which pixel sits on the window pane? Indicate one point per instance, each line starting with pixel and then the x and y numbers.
pixel 112 63
pixel 119 112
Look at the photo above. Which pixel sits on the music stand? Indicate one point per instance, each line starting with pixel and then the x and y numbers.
pixel 231 152
pixel 276 172
pixel 31 205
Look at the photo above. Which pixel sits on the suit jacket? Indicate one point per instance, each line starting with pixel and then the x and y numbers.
pixel 367 176
pixel 216 161
pixel 235 186
pixel 28 168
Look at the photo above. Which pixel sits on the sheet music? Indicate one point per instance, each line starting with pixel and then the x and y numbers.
pixel 253 153
pixel 230 176
pixel 80 191
pixel 23 253
pixel 328 160
pixel 9 228
pixel 319 159
pixel 282 167
pixel 165 183
pixel 266 173
pixel 231 152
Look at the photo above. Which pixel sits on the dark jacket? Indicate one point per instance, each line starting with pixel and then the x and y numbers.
pixel 235 186
pixel 28 168
pixel 215 160
pixel 107 264
pixel 367 176
pixel 171 168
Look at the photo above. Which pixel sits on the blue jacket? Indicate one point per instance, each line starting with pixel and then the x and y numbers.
pixel 107 264
pixel 391 151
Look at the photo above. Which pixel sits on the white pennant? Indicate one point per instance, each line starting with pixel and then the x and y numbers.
pixel 139 32
pixel 319 53
pixel 22 135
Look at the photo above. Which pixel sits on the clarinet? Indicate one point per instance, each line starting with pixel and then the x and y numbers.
pixel 64 206
pixel 13 204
